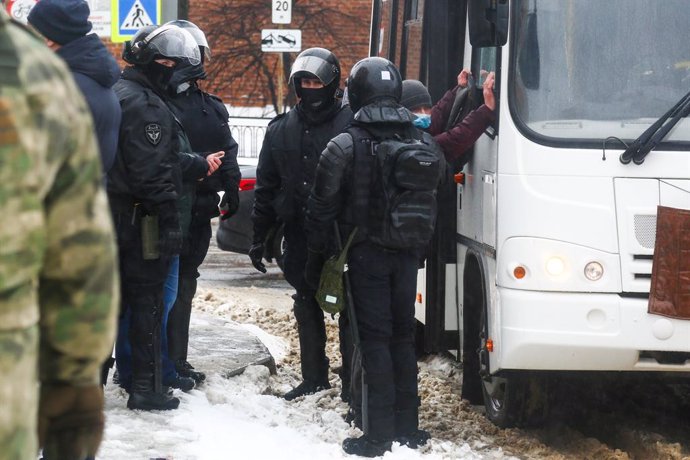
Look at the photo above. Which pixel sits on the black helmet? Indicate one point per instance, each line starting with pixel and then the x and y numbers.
pixel 316 63
pixel 140 34
pixel 167 41
pixel 198 35
pixel 373 78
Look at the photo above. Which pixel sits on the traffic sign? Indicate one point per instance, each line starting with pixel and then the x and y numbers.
pixel 128 16
pixel 281 12
pixel 281 40
pixel 19 9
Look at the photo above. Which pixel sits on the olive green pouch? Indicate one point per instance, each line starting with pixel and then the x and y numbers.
pixel 331 292
pixel 149 238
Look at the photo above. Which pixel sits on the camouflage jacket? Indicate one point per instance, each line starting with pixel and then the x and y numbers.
pixel 57 251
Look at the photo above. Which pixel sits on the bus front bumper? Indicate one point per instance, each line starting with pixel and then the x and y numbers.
pixel 581 331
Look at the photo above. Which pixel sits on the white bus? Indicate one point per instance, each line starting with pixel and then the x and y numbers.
pixel 542 261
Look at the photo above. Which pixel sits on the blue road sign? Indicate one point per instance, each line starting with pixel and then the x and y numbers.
pixel 128 16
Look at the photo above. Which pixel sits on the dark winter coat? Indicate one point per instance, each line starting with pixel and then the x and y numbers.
pixel 147 165
pixel 458 139
pixel 333 195
pixel 287 163
pixel 205 120
pixel 96 71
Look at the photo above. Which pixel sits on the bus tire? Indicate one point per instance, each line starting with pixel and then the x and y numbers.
pixel 512 399
pixel 516 400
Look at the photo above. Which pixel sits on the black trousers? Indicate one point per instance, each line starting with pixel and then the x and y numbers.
pixel 383 287
pixel 310 320
pixel 193 255
pixel 141 284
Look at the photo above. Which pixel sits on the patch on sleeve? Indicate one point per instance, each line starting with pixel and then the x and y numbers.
pixel 153 133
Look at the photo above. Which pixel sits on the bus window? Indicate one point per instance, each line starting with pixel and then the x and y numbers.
pixel 390 32
pixel 590 69
pixel 483 64
pixel 386 7
pixel 413 41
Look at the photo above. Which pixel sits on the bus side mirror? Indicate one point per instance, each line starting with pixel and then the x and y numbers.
pixel 488 22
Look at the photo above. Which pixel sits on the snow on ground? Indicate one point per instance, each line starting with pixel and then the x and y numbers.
pixel 243 417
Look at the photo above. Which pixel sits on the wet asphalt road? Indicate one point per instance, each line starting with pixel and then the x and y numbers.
pixel 222 268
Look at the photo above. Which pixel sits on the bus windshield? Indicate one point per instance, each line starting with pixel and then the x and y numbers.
pixel 590 69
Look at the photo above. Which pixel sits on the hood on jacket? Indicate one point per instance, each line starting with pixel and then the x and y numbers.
pixel 384 111
pixel 89 56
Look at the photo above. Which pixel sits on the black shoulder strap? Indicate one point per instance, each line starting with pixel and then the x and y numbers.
pixel 363 171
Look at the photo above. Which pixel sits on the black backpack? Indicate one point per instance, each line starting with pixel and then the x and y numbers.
pixel 395 183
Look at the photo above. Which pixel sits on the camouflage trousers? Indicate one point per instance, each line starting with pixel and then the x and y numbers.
pixel 19 394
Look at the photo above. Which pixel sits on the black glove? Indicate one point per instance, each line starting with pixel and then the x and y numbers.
pixel 312 270
pixel 70 421
pixel 169 232
pixel 229 204
pixel 256 253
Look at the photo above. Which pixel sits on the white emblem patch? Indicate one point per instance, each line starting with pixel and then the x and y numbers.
pixel 153 133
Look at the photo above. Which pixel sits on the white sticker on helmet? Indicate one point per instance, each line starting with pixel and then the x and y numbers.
pixel 385 75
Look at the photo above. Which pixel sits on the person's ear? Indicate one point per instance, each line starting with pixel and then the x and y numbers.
pixel 51 44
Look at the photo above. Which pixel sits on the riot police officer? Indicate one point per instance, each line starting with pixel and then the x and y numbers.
pixel 288 159
pixel 347 189
pixel 205 121
pixel 144 186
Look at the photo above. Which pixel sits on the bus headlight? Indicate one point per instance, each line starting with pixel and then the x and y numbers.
pixel 594 271
pixel 555 266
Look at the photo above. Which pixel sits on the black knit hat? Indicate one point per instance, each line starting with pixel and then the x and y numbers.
pixel 414 95
pixel 61 20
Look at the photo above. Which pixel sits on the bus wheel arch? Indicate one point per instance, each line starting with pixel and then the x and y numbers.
pixel 474 301
pixel 511 398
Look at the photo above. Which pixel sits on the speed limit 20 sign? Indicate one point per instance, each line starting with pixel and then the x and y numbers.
pixel 281 12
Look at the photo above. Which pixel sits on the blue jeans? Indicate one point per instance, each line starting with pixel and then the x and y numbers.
pixel 123 350
pixel 169 297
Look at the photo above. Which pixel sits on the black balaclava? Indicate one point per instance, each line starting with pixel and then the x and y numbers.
pixel 317 104
pixel 159 74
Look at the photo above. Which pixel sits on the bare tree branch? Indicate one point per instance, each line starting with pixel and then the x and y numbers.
pixel 233 29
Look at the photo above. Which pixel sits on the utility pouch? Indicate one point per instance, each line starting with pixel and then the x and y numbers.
pixel 331 292
pixel 149 238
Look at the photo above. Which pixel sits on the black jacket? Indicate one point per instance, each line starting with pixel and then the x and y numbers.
pixel 96 71
pixel 205 120
pixel 147 166
pixel 287 163
pixel 332 196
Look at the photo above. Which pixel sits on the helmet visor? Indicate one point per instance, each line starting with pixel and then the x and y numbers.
pixel 196 32
pixel 315 66
pixel 173 42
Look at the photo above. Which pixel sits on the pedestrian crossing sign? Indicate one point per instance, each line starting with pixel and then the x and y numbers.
pixel 128 16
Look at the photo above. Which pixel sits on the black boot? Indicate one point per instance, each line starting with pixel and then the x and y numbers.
pixel 365 447
pixel 354 416
pixel 305 388
pixel 407 431
pixel 151 400
pixel 414 439
pixel 187 370
pixel 185 384
pixel 147 391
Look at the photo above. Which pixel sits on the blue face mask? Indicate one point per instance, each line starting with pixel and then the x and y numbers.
pixel 422 121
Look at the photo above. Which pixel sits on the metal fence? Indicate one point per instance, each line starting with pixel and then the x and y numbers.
pixel 249 134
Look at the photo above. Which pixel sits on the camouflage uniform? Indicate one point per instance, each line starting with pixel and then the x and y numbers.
pixel 58 285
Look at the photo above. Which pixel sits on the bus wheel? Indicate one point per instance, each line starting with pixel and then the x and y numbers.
pixel 516 400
